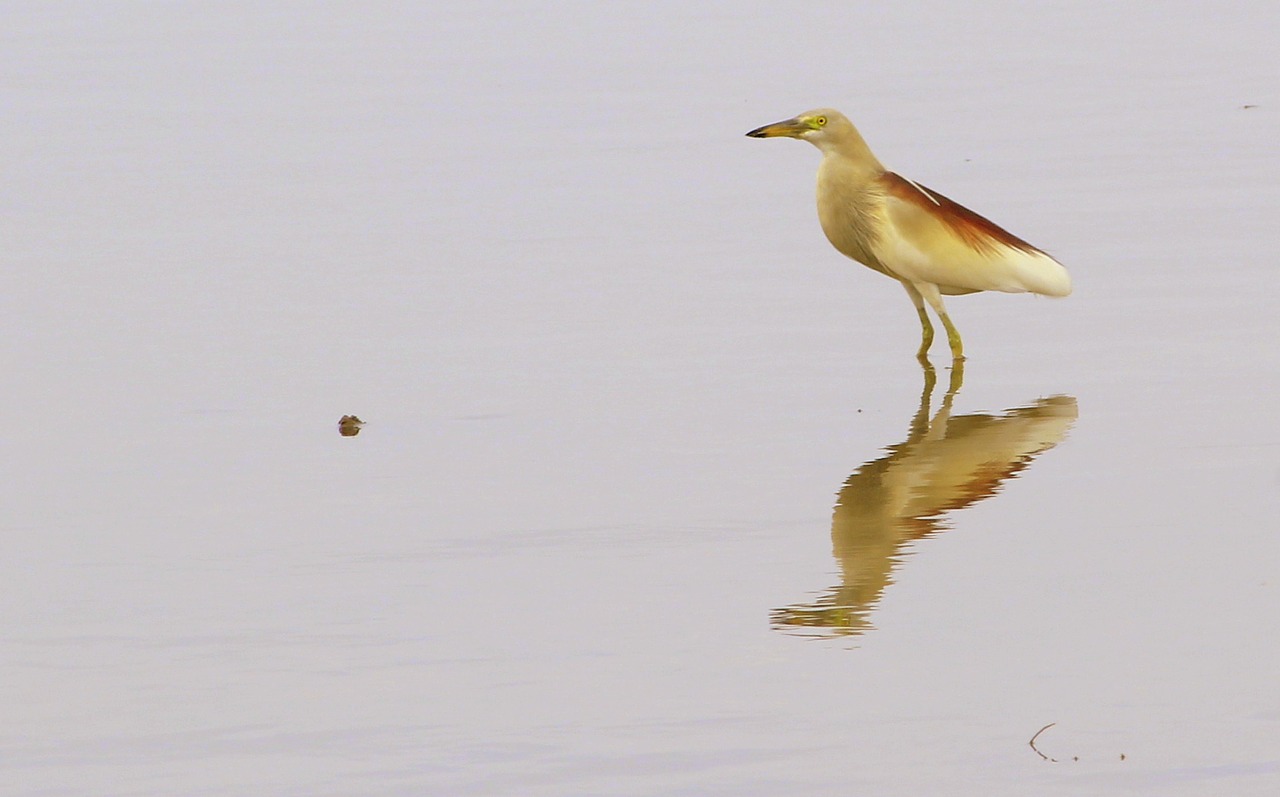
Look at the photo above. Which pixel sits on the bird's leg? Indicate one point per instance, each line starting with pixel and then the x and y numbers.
pixel 926 334
pixel 931 294
pixel 953 337
pixel 926 326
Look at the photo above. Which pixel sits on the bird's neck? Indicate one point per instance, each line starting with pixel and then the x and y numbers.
pixel 854 168
pixel 852 154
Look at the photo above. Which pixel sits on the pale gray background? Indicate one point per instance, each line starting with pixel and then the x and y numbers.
pixel 614 378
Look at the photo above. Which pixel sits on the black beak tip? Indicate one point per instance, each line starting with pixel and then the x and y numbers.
pixel 756 133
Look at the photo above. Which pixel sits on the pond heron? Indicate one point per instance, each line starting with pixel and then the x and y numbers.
pixel 933 246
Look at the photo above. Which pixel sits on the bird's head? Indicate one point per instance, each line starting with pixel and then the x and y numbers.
pixel 824 128
pixel 828 130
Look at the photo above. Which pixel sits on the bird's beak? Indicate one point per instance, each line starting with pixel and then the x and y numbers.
pixel 791 128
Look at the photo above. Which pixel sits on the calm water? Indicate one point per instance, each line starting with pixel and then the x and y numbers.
pixel 652 497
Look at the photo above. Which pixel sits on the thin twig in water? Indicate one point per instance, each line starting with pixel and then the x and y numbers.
pixel 1037 749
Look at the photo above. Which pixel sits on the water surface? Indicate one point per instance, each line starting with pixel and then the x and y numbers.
pixel 626 412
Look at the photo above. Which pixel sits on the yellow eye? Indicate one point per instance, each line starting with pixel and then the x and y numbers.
pixel 820 121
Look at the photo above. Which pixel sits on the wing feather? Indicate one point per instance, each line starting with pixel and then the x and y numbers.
pixel 931 238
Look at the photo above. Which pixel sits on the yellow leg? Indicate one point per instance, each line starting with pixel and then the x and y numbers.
pixel 930 293
pixel 926 326
pixel 953 337
pixel 926 334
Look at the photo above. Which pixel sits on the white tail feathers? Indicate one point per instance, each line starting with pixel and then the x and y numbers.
pixel 1038 273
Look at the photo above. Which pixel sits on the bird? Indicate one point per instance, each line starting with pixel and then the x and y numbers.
pixel 909 232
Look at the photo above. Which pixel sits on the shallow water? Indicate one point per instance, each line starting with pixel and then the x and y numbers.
pixel 651 497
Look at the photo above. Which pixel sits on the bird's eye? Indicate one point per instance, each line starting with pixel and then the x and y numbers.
pixel 820 121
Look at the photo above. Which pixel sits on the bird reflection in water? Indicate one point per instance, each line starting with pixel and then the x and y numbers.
pixel 946 463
